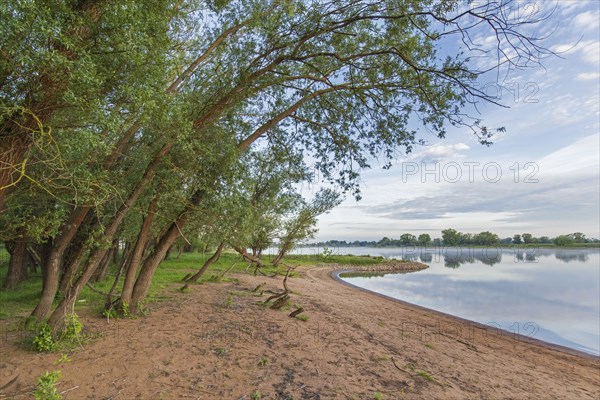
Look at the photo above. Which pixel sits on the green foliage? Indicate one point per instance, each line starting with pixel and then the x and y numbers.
pixel 46 386
pixel 64 358
pixel 451 237
pixel 72 329
pixel 377 396
pixel 43 339
pixel 424 239
pixel 256 395
pixel 564 240
pixel 517 239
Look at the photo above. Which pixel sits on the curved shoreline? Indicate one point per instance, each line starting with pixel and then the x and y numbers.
pixel 335 275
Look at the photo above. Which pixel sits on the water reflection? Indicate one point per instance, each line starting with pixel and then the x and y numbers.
pixel 557 289
pixel 454 257
pixel 572 257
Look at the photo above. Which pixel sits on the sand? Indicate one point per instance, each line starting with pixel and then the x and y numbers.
pixel 218 342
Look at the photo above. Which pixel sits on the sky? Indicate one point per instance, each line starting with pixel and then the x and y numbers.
pixel 541 177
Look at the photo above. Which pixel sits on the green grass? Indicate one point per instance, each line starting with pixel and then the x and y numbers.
pixel 426 375
pixel 22 299
pixel 167 279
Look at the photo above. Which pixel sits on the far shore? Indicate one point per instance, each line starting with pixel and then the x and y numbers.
pixel 218 341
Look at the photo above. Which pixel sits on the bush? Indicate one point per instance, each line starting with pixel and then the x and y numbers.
pixel 46 389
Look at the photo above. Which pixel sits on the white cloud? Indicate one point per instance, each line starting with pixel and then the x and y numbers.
pixel 575 157
pixel 588 49
pixel 587 20
pixel 441 152
pixel 588 76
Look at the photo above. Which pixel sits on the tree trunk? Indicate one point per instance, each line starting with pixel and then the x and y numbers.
pixel 102 268
pixel 249 257
pixel 144 279
pixel 76 252
pixel 168 254
pixel 68 301
pixel 124 261
pixel 285 247
pixel 138 252
pixel 214 258
pixel 60 243
pixel 17 267
pixel 115 253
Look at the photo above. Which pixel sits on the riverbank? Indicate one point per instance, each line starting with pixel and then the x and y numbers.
pixel 219 341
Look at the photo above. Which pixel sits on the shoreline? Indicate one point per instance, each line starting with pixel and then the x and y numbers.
pixel 218 341
pixel 335 275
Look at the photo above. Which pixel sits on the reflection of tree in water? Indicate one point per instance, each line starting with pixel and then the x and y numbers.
pixel 426 257
pixel 487 256
pixel 568 257
pixel 410 257
pixel 489 259
pixel 451 264
pixel 528 255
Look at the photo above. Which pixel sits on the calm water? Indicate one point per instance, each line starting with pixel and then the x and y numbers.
pixel 550 294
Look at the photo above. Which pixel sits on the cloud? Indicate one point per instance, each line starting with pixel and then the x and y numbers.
pixel 588 76
pixel 587 20
pixel 589 50
pixel 558 193
pixel 441 152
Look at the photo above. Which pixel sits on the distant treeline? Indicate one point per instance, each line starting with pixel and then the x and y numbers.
pixel 452 237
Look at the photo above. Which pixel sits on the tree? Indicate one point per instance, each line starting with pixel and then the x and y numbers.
pixel 529 239
pixel 486 238
pixel 302 225
pixel 564 240
pixel 579 237
pixel 424 239
pixel 517 239
pixel 406 239
pixel 451 237
pixel 545 239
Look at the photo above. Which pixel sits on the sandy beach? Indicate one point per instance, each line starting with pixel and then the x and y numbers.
pixel 218 341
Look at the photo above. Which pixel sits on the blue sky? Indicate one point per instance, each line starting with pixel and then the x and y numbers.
pixel 542 176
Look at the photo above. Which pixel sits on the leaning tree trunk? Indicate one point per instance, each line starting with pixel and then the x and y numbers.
pixel 68 301
pixel 283 250
pixel 17 267
pixel 278 258
pixel 249 257
pixel 138 252
pixel 214 258
pixel 52 268
pixel 124 261
pixel 115 251
pixel 142 284
pixel 102 268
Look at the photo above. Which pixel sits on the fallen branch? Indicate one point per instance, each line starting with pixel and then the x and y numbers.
pixel 68 390
pixel 401 369
pixel 297 312
pixel 280 302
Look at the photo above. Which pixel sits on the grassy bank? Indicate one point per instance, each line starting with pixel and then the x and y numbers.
pixel 167 280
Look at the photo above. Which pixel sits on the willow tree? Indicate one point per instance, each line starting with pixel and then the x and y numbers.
pixel 302 225
pixel 344 81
